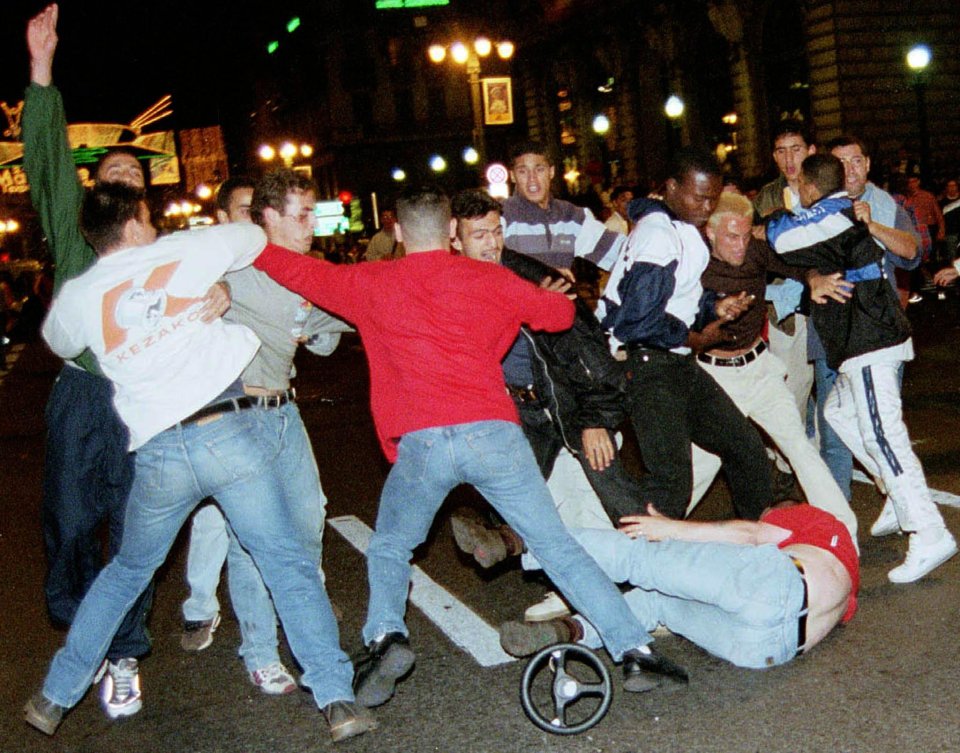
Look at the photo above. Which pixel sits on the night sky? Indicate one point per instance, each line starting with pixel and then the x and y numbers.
pixel 115 59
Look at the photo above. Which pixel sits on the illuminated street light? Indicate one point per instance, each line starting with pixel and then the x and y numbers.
pixel 470 156
pixel 673 107
pixel 470 56
pixel 459 53
pixel 204 191
pixel 918 58
pixel 398 174
pixel 601 125
pixel 287 151
pixel 437 163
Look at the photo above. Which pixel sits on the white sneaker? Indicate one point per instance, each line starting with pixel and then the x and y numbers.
pixel 550 607
pixel 886 522
pixel 120 690
pixel 927 551
pixel 274 679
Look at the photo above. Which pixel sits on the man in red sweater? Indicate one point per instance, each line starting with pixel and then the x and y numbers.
pixel 435 328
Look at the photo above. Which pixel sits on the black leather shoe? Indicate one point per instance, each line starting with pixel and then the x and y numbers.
pixel 348 719
pixel 387 661
pixel 646 671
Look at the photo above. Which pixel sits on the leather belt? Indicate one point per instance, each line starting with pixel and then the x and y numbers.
pixel 523 394
pixel 233 405
pixel 742 360
pixel 804 609
pixel 274 401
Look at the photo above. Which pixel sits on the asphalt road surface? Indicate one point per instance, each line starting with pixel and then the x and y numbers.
pixel 886 682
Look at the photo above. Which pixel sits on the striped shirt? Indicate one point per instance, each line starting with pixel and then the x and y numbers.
pixel 559 233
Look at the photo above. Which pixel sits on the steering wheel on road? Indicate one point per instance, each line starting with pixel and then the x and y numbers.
pixel 565 689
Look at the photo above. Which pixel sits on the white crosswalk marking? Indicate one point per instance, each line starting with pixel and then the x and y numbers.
pixel 460 624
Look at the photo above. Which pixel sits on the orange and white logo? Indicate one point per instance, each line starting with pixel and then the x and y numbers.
pixel 127 307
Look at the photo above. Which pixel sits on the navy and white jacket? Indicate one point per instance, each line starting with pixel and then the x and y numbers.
pixel 559 233
pixel 829 238
pixel 654 296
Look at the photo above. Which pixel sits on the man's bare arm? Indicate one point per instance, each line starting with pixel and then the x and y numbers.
pixel 656 527
pixel 42 44
pixel 898 242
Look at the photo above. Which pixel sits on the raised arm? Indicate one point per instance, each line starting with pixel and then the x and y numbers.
pixel 55 190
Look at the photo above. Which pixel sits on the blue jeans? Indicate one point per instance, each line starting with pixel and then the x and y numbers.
pixel 304 501
pixel 494 457
pixel 740 603
pixel 231 458
pixel 832 449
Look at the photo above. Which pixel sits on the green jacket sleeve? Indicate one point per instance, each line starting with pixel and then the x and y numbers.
pixel 55 189
pixel 54 186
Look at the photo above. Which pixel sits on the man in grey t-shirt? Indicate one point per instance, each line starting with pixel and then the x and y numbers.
pixel 283 205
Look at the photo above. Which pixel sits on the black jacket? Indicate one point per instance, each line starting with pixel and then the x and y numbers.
pixel 831 239
pixel 574 373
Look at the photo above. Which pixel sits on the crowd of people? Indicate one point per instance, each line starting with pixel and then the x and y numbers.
pixel 719 315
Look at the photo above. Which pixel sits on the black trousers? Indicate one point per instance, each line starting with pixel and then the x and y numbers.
pixel 619 492
pixel 87 477
pixel 673 402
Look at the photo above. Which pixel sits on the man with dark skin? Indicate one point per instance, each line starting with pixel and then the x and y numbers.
pixel 656 307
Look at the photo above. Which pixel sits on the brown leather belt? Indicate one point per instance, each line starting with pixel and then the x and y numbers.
pixel 742 360
pixel 804 609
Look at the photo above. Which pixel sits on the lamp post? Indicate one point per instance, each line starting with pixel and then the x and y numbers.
pixel 673 108
pixel 469 55
pixel 601 127
pixel 917 60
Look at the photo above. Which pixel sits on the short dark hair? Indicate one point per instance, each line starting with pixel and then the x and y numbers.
pixel 692 159
pixel 473 203
pixel 792 127
pixel 107 208
pixel 225 192
pixel 529 147
pixel 423 213
pixel 825 171
pixel 619 191
pixel 130 152
pixel 274 187
pixel 848 140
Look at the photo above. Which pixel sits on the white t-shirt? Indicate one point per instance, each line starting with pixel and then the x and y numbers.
pixel 138 310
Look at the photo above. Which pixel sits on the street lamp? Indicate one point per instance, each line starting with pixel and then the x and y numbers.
pixel 288 152
pixel 673 108
pixel 469 55
pixel 918 58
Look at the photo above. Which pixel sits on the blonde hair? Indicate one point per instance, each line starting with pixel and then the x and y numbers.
pixel 731 203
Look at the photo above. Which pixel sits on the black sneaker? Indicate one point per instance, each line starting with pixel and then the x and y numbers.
pixel 387 661
pixel 645 669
